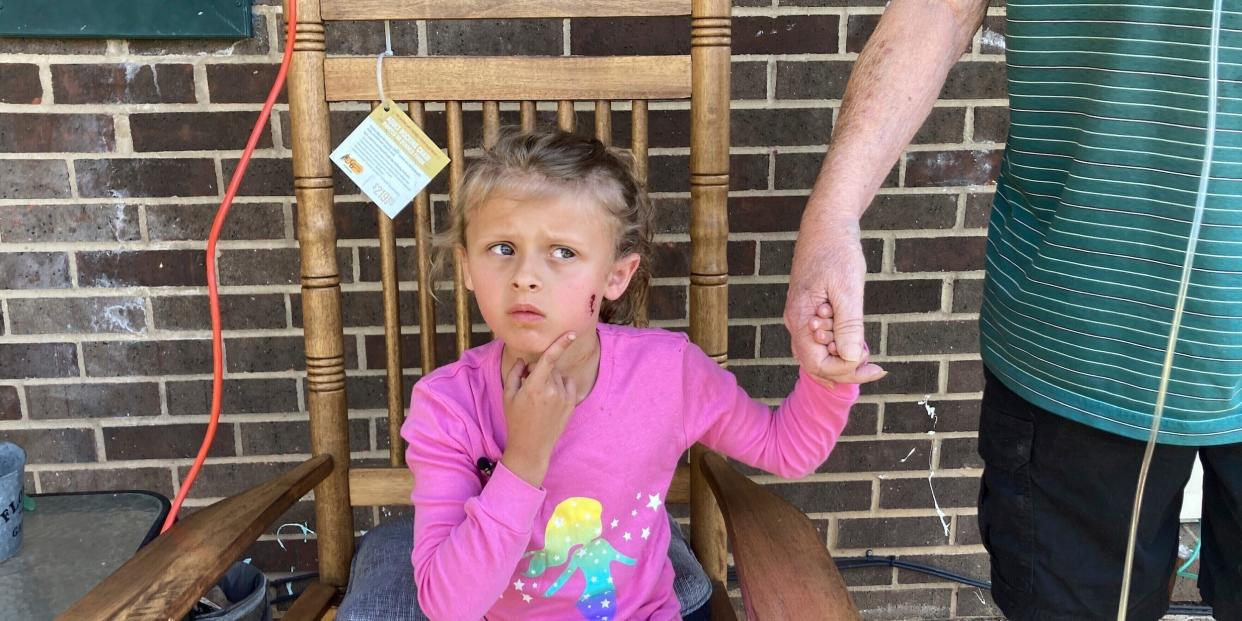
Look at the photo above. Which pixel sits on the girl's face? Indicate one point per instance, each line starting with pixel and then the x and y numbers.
pixel 541 264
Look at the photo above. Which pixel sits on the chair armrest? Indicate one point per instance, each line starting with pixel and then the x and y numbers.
pixel 166 577
pixel 783 566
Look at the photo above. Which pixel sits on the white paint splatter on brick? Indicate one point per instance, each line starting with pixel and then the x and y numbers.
pixel 993 39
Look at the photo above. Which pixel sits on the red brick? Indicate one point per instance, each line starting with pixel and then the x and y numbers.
pixel 53 446
pixel 941 254
pixel 34 270
pixel 69 223
pixel 660 36
pixel 52 133
pixel 151 441
pixel 786 34
pixel 911 416
pixel 967 295
pixel 10 404
pixel 992 38
pixel 914 212
pixel 991 123
pixel 194 131
pixel 906 378
pixel 241 396
pixel 26 178
pixel 901 296
pixel 265 176
pixel 857 30
pixel 237 312
pixel 950 492
pixel 142 268
pixel 978 210
pixel 128 83
pixel 781 126
pixel 366 38
pixel 146 177
pixel 901 604
pixel 976 80
pixel 825 497
pixel 21 84
pixel 492 37
pixel 933 337
pixel 293 437
pixel 891 533
pixel 965 376
pixel 104 400
pixel 88 315
pixel 765 214
pixel 820 79
pixel 24 360
pixel 121 358
pixel 158 480
pixel 242 83
pixel 193 222
pixel 877 456
pixel 951 168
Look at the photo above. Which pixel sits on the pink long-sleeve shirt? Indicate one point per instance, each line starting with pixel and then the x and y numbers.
pixel 593 541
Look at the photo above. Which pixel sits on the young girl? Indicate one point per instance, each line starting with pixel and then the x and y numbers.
pixel 541 460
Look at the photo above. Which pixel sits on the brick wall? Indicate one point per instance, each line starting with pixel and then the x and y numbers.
pixel 114 154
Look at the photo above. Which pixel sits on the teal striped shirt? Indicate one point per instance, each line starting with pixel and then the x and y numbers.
pixel 1110 109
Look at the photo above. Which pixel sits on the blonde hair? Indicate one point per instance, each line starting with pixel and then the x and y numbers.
pixel 565 162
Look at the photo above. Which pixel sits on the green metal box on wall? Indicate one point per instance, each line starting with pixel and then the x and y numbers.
pixel 126 19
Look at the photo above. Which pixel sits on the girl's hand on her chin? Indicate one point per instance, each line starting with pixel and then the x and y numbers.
pixel 537 407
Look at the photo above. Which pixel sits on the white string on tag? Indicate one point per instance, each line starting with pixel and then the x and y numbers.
pixel 379 62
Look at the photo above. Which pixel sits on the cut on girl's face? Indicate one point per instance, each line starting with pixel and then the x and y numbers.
pixel 541 264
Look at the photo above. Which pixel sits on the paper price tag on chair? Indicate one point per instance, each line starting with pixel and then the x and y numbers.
pixel 390 158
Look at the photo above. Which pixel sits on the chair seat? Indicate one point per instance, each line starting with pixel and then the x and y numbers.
pixel 381 581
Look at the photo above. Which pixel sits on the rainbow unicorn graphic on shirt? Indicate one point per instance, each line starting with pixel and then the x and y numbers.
pixel 573 538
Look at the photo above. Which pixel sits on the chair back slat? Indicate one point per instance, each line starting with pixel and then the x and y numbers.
pixel 423 254
pixel 491 123
pixel 392 334
pixel 482 78
pixel 603 121
pixel 566 117
pixel 638 146
pixel 528 116
pixel 497 9
pixel 457 156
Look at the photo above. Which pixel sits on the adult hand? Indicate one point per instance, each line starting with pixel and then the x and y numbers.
pixel 823 309
pixel 537 407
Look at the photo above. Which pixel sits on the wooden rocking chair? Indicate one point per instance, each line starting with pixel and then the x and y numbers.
pixel 783 568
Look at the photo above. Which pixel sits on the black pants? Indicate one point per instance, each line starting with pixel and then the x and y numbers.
pixel 1054 515
pixel 702 613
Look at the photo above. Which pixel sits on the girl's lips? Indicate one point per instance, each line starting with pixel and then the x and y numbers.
pixel 526 313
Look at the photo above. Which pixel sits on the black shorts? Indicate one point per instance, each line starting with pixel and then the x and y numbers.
pixel 1054 515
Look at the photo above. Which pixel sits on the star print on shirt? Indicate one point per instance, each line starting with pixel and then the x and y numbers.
pixel 653 502
pixel 626 536
pixel 646 533
pixel 519 585
pixel 526 598
pixel 634 513
pixel 614 522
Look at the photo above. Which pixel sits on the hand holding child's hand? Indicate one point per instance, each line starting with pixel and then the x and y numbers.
pixel 821 330
pixel 537 408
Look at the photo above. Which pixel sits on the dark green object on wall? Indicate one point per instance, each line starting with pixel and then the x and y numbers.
pixel 126 19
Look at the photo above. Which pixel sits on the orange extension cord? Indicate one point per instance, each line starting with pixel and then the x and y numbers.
pixel 213 293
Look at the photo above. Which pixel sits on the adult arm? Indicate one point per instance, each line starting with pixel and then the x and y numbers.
pixel 890 92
